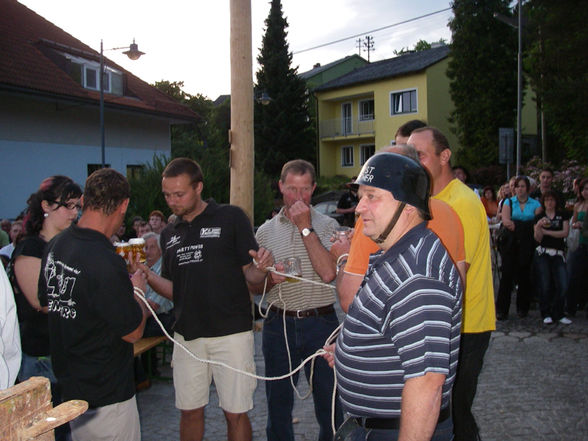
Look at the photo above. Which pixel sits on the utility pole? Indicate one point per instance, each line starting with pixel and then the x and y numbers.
pixel 369 45
pixel 359 45
pixel 241 133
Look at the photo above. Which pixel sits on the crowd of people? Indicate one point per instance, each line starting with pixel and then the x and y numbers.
pixel 414 278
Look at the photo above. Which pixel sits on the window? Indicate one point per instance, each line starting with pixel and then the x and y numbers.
pixel 403 102
pixel 86 73
pixel 134 171
pixel 366 152
pixel 346 123
pixel 366 110
pixel 347 156
pixel 91 78
pixel 93 167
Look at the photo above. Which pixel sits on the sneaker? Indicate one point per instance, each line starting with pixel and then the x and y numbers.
pixel 565 321
pixel 547 321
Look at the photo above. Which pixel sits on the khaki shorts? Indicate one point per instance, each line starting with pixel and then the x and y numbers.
pixel 115 422
pixel 192 378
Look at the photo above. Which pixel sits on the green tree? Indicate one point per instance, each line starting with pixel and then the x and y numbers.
pixel 282 128
pixel 483 78
pixel 557 66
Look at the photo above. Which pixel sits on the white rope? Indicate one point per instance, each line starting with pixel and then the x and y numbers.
pixel 318 353
pixel 139 292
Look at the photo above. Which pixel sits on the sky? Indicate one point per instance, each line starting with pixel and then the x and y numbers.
pixel 189 40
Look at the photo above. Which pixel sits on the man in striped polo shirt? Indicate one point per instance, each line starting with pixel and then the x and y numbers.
pixel 396 355
pixel 301 313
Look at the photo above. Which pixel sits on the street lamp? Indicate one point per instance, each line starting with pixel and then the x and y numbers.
pixel 519 26
pixel 133 53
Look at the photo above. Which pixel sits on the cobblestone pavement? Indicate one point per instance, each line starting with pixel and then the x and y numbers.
pixel 533 387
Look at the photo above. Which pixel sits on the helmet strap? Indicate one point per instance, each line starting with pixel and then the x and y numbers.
pixel 391 225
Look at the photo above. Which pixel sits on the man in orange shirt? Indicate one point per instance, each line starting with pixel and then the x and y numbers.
pixel 444 223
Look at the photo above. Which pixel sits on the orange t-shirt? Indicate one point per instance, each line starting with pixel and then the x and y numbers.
pixel 445 223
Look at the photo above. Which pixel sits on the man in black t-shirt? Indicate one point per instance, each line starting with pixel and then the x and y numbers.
pixel 206 266
pixel 94 318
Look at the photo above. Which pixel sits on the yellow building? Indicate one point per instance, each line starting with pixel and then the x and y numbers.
pixel 360 112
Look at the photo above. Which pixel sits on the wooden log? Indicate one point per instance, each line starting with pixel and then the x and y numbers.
pixel 55 417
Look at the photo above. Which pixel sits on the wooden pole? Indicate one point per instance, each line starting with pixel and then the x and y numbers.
pixel 241 134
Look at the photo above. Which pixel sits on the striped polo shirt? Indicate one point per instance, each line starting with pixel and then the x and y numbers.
pixel 404 322
pixel 283 239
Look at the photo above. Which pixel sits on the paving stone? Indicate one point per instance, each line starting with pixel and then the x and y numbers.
pixel 533 387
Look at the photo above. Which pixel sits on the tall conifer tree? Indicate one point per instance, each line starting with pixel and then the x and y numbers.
pixel 483 74
pixel 282 128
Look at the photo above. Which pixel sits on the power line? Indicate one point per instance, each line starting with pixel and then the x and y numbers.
pixel 373 30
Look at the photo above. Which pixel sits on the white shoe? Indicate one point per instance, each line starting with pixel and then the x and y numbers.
pixel 547 321
pixel 565 321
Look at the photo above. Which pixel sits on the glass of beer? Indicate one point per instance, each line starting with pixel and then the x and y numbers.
pixel 137 248
pixel 292 266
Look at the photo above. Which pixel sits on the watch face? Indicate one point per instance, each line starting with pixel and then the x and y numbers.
pixel 306 231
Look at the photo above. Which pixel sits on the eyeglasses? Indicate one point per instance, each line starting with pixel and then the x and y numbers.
pixel 69 205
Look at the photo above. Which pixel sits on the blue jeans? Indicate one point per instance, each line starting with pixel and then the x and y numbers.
pixel 552 278
pixel 443 432
pixel 36 367
pixel 305 336
pixel 577 279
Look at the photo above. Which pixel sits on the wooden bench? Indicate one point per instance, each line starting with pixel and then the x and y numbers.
pixel 26 412
pixel 147 343
pixel 144 345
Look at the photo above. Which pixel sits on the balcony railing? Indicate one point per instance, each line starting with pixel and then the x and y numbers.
pixel 331 128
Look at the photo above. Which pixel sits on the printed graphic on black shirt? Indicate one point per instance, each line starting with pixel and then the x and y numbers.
pixel 60 279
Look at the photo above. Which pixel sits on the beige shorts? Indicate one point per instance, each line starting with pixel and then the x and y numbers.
pixel 192 378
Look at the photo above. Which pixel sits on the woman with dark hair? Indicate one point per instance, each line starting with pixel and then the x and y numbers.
pixel 517 248
pixel 51 209
pixel 551 228
pixel 489 201
pixel 578 263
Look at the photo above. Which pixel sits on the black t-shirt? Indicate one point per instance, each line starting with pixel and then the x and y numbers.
pixel 556 225
pixel 87 289
pixel 348 200
pixel 204 260
pixel 34 330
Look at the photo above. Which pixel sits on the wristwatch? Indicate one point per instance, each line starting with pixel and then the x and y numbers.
pixel 306 231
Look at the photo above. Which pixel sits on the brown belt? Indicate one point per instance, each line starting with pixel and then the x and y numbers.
pixel 313 312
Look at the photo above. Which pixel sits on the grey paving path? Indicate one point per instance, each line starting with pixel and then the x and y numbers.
pixel 533 387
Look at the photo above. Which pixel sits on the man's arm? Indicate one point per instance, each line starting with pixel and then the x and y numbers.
pixel 347 286
pixel 322 261
pixel 138 280
pixel 160 285
pixel 256 271
pixel 421 403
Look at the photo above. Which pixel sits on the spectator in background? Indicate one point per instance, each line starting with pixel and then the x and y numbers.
pixel 503 194
pixel 347 203
pixel 578 263
pixel 545 184
pixel 551 228
pixel 5 225
pixel 10 353
pixel 163 307
pixel 489 201
pixel 136 224
pixel 144 228
pixel 15 232
pixel 518 215
pixel 51 209
pixel 404 131
pixel 157 221
pixel 4 238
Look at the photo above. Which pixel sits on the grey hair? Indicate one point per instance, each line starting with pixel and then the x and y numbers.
pixel 152 235
pixel 404 150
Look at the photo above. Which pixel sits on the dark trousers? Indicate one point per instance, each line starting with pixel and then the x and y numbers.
pixel 578 279
pixel 517 269
pixel 305 336
pixel 552 280
pixel 472 348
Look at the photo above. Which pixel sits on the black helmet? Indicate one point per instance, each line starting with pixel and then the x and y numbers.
pixel 405 178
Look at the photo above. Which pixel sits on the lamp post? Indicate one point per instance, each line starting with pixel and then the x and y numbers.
pixel 133 53
pixel 519 26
